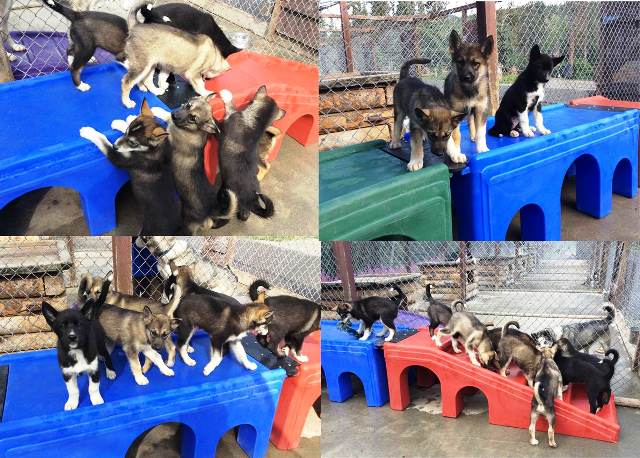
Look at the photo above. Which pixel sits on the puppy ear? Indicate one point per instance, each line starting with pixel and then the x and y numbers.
pixel 281 114
pixel 175 322
pixel 487 46
pixel 210 127
pixel 147 314
pixel 88 309
pixel 84 286
pixel 457 117
pixel 50 314
pixel 144 109
pixel 423 113
pixel 557 60
pixel 454 41
pixel 210 96
pixel 261 92
pixel 534 54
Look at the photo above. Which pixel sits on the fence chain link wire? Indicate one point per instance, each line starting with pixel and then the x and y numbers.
pixel 360 64
pixel 538 284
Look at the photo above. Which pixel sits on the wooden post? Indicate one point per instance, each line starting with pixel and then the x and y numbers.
pixel 346 36
pixel 275 17
pixel 344 263
pixel 5 68
pixel 122 268
pixel 487 26
pixel 618 272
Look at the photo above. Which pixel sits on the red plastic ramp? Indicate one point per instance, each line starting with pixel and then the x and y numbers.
pixel 509 398
pixel 292 84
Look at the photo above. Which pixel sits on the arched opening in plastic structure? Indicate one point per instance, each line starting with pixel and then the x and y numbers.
pixel 34 210
pixel 582 185
pixel 527 224
pixel 473 400
pixel 302 129
pixel 165 439
pixel 423 385
pixel 236 438
pixel 351 379
pixel 623 178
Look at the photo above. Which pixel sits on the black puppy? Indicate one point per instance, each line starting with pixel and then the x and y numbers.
pixel 525 95
pixel 80 342
pixel 371 309
pixel 595 376
pixel 293 320
pixel 189 19
pixel 439 313
pixel 90 30
pixel 238 152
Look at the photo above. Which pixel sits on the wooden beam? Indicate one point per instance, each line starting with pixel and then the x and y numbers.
pixel 346 36
pixel 344 263
pixel 5 68
pixel 122 268
pixel 487 26
pixel 275 17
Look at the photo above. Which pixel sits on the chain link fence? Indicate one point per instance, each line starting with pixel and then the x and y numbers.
pixel 285 28
pixel 33 269
pixel 361 53
pixel 539 284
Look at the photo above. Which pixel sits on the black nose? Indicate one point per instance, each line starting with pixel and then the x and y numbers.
pixel 467 77
pixel 73 337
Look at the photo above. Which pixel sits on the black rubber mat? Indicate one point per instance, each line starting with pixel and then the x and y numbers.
pixel 267 358
pixel 179 92
pixel 4 378
pixel 404 154
pixel 399 336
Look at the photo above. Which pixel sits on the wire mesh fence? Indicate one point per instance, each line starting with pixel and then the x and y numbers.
pixel 35 36
pixel 363 45
pixel 33 269
pixel 539 284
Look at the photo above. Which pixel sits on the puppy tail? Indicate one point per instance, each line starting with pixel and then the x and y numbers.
pixel 265 211
pixel 64 10
pixel 253 288
pixel 401 299
pixel 428 292
pixel 458 306
pixel 175 300
pixel 404 70
pixel 132 18
pixel 611 313
pixel 231 205
pixel 505 328
pixel 615 355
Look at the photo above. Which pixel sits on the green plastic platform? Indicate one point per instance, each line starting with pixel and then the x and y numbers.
pixel 368 194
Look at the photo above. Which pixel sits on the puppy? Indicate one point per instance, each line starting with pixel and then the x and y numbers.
pixel 80 342
pixel 429 114
pixel 596 377
pixel 238 153
pixel 183 279
pixel 468 329
pixel 293 320
pixel 521 350
pixel 225 323
pixel 495 334
pixel 568 350
pixel 145 333
pixel 90 30
pixel 581 335
pixel 525 95
pixel 171 50
pixel 439 313
pixel 546 386
pixel 143 152
pixel 467 90
pixel 5 10
pixel 265 146
pixel 371 309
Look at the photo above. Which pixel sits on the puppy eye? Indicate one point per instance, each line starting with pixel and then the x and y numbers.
pixel 131 142
pixel 192 118
pixel 476 64
pixel 188 106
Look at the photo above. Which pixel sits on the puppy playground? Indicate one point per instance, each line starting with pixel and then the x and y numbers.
pixel 55 182
pixel 408 397
pixel 233 412
pixel 578 182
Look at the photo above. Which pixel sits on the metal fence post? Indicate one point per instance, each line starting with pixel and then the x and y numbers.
pixel 122 268
pixel 344 264
pixel 487 26
pixel 346 35
pixel 463 270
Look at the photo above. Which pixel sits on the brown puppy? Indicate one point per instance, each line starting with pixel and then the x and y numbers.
pixel 467 90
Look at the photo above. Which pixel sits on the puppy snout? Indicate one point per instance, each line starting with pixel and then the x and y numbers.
pixel 467 77
pixel 72 337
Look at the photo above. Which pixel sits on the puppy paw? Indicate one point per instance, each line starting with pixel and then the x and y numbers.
pixel 553 444
pixel 171 362
pixel 528 133
pixel 302 358
pixel 93 60
pixel 96 400
pixel 129 103
pixel 286 350
pixel 533 129
pixel 458 158
pixel 119 125
pixel 544 131
pixel 226 95
pixel 168 372
pixel 189 362
pixel 414 165
pixel 12 57
pixel 141 380
pixel 250 365
pixel 88 133
pixel 514 134
pixel 71 404
pixel 209 368
pixel 395 145
pixel 83 87
pixel 534 442
pixel 143 88
pixel 481 148
pixel 389 338
pixel 190 349
pixel 17 47
pixel 363 338
pixel 111 375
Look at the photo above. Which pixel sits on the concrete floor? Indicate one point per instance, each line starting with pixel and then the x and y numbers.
pixel 351 429
pixel 292 183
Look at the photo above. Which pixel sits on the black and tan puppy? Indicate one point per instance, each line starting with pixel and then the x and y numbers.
pixel 467 90
pixel 439 314
pixel 91 30
pixel 182 277
pixel 525 95
pixel 293 320
pixel 520 350
pixel 80 343
pixel 225 323
pixel 239 154
pixel 468 329
pixel 371 309
pixel 143 152
pixel 547 384
pixel 429 114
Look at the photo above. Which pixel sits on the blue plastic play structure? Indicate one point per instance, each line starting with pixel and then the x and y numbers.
pixel 526 174
pixel 34 423
pixel 342 354
pixel 41 144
